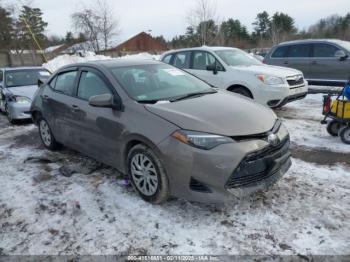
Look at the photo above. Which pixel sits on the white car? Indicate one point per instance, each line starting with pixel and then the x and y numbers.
pixel 237 71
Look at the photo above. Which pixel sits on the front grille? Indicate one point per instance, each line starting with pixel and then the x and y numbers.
pixel 260 165
pixel 295 80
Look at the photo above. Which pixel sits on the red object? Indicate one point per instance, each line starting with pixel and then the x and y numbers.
pixel 327 105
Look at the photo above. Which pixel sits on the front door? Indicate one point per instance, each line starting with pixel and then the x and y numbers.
pixel 200 61
pixel 325 66
pixel 96 129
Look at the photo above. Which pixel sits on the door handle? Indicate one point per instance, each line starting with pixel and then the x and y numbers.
pixel 75 108
pixel 45 97
pixel 314 62
pixel 286 62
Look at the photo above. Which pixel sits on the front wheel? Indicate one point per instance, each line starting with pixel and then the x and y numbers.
pixel 333 127
pixel 9 115
pixel 344 134
pixel 46 135
pixel 147 174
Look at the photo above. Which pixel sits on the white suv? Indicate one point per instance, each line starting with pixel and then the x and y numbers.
pixel 237 71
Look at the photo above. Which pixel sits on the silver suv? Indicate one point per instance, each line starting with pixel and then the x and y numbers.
pixel 319 60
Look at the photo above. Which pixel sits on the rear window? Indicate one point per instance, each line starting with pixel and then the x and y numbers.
pixel 182 60
pixel 280 52
pixel 299 51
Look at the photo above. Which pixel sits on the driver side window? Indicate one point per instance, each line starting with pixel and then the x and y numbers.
pixel 202 59
pixel 91 84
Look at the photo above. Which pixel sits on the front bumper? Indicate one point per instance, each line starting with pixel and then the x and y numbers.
pixel 19 111
pixel 204 175
pixel 277 96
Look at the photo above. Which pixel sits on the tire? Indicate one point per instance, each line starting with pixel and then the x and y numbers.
pixel 242 91
pixel 9 115
pixel 333 127
pixel 46 135
pixel 344 134
pixel 147 174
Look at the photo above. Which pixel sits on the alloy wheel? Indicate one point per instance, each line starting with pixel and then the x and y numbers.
pixel 144 174
pixel 45 133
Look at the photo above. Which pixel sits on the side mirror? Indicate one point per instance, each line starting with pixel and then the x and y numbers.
pixel 105 100
pixel 213 68
pixel 340 54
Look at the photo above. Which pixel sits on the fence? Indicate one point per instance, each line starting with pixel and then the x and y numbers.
pixel 10 59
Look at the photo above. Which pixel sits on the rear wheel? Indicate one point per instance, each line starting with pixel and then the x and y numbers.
pixel 242 91
pixel 147 174
pixel 333 127
pixel 344 134
pixel 46 135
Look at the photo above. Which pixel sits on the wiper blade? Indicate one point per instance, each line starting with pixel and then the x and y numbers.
pixel 195 94
pixel 150 101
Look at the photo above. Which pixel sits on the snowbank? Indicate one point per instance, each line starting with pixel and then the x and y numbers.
pixel 64 60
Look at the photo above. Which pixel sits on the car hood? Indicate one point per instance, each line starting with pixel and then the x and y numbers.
pixel 270 70
pixel 27 91
pixel 221 113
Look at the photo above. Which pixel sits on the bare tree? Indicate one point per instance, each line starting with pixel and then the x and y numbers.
pixel 199 16
pixel 109 25
pixel 97 23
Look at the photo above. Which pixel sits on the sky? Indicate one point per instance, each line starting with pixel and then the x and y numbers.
pixel 168 17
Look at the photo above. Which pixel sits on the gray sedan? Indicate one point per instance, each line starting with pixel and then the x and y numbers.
pixel 169 132
pixel 17 88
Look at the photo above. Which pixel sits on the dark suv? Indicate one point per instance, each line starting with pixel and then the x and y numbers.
pixel 319 60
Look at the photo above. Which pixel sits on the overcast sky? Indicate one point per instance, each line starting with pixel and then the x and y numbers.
pixel 168 17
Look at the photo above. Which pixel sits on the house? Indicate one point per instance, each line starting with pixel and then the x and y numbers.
pixel 141 42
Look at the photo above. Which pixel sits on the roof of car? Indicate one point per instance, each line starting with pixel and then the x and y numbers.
pixel 311 41
pixel 21 68
pixel 204 48
pixel 111 63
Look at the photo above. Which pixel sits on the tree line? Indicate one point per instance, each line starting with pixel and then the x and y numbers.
pixel 23 28
pixel 204 28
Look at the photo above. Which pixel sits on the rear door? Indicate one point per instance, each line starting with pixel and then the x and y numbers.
pixel 325 66
pixel 200 60
pixel 96 130
pixel 58 103
pixel 298 57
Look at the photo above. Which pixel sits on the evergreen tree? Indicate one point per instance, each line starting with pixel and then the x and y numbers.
pixel 6 29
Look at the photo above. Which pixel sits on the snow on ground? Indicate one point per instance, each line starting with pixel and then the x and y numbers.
pixel 81 57
pixel 91 212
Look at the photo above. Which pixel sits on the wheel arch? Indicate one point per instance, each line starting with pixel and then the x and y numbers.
pixel 234 86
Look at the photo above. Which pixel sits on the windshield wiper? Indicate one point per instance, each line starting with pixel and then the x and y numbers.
pixel 195 94
pixel 150 101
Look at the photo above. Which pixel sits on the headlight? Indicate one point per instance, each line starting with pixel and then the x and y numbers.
pixel 270 80
pixel 200 140
pixel 22 100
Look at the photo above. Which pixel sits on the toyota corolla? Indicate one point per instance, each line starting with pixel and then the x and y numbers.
pixel 169 132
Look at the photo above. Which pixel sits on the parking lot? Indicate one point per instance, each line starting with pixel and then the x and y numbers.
pixel 65 203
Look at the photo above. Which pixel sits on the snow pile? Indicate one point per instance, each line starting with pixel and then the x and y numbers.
pixel 81 57
pixel 64 60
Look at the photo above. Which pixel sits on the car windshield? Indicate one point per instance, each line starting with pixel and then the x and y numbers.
pixel 236 57
pixel 156 82
pixel 23 77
